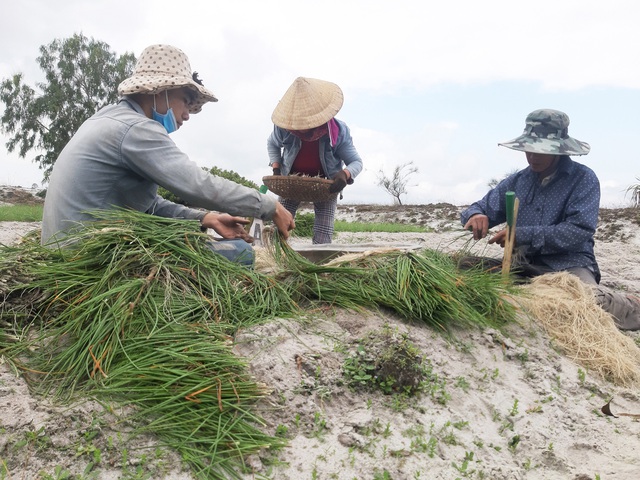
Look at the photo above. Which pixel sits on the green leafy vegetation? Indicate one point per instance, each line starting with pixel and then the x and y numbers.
pixel 304 225
pixel 388 361
pixel 342 226
pixel 21 213
pixel 218 172
pixel 425 285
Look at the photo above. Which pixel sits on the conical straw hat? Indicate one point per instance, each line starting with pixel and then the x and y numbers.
pixel 308 103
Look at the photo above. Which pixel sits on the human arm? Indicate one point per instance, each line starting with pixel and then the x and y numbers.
pixel 274 150
pixel 487 212
pixel 346 152
pixel 149 152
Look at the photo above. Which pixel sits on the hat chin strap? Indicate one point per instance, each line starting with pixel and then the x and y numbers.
pixel 166 96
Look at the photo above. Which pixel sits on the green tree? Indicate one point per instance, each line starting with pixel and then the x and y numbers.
pixel 82 76
pixel 233 176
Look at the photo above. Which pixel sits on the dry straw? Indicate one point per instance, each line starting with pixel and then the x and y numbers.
pixel 567 310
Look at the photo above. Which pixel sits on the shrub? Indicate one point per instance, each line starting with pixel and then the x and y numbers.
pixel 634 192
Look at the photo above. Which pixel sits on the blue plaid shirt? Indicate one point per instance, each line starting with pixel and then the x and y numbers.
pixel 556 222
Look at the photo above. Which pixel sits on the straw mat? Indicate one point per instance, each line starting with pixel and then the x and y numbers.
pixel 303 189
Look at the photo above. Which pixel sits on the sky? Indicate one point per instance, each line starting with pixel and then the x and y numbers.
pixel 438 84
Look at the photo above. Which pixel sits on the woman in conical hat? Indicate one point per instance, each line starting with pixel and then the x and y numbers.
pixel 307 139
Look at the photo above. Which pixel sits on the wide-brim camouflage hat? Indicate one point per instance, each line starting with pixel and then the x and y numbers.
pixel 547 131
pixel 163 67
pixel 308 103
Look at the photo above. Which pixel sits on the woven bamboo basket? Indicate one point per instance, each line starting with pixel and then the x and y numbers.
pixel 302 189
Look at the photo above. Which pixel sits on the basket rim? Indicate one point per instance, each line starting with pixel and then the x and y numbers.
pixel 298 187
pixel 298 178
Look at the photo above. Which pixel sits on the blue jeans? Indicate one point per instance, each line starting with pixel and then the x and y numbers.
pixel 235 250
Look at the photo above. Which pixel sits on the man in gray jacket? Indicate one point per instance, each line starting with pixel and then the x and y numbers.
pixel 120 156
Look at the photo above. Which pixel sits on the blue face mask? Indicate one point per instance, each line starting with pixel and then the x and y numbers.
pixel 167 120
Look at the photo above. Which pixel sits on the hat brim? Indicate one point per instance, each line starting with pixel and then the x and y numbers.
pixel 152 84
pixel 548 146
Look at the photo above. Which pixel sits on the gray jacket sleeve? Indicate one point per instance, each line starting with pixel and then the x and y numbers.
pixel 156 157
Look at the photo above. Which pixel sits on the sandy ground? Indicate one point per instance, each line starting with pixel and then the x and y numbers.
pixel 504 405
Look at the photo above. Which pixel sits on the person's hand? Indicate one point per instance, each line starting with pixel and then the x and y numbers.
pixel 283 220
pixel 479 225
pixel 500 238
pixel 226 226
pixel 276 168
pixel 339 182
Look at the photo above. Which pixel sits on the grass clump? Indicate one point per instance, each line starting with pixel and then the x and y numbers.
pixel 343 226
pixel 304 226
pixel 21 213
pixel 387 361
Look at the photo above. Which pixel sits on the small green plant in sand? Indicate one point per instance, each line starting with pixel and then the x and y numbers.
pixel 59 473
pixel 514 408
pixel 582 376
pixel 384 475
pixel 463 468
pixel 388 361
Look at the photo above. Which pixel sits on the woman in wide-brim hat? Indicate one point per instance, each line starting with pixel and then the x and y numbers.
pixel 308 140
pixel 119 157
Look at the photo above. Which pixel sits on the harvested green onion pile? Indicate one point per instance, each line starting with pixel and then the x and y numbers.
pixel 424 286
pixel 139 311
pixel 142 311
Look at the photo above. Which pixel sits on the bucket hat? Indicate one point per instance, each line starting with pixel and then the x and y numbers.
pixel 163 67
pixel 308 103
pixel 546 131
